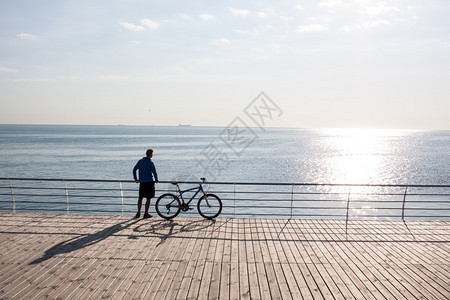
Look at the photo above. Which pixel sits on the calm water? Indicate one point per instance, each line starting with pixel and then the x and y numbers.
pixel 270 155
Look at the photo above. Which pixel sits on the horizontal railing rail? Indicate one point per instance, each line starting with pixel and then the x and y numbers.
pixel 240 199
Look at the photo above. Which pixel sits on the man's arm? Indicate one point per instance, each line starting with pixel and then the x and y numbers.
pixel 154 172
pixel 136 167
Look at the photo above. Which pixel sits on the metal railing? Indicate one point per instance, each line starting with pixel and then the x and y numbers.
pixel 240 199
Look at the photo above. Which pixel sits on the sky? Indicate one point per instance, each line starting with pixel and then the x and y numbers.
pixel 325 64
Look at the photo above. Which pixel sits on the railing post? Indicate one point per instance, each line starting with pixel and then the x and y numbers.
pixel 292 199
pixel 121 194
pixel 403 204
pixel 348 206
pixel 234 202
pixel 12 195
pixel 67 197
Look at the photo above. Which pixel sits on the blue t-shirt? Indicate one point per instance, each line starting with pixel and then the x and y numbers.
pixel 147 170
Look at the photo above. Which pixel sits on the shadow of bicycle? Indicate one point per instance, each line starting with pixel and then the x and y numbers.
pixel 164 229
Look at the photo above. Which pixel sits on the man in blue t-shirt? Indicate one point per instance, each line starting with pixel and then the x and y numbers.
pixel 147 179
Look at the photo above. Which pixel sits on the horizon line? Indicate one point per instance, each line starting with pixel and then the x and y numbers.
pixel 224 126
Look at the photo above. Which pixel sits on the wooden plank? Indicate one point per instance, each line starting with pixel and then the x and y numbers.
pixel 176 281
pixel 329 275
pixel 294 258
pixel 304 260
pixel 433 274
pixel 205 280
pixel 186 280
pixel 193 256
pixel 267 261
pixel 251 262
pixel 139 289
pixel 15 266
pixel 290 287
pixel 96 279
pixel 343 276
pixel 115 278
pixel 385 278
pixel 158 287
pixel 234 261
pixel 109 280
pixel 130 275
pixel 224 291
pixel 214 288
pixel 438 289
pixel 116 286
pixel 263 285
pixel 358 276
pixel 377 288
pixel 183 254
pixel 194 288
pixel 391 268
pixel 244 281
pixel 25 283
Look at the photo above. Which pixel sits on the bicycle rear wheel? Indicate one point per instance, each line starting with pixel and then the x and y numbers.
pixel 168 206
pixel 209 206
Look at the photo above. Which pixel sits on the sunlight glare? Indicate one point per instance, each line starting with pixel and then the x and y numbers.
pixel 357 156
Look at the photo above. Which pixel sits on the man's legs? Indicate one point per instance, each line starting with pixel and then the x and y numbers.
pixel 147 190
pixel 150 195
pixel 139 205
pixel 147 205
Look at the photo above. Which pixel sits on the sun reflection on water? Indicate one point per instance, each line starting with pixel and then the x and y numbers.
pixel 359 155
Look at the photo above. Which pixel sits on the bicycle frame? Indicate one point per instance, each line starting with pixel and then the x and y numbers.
pixel 181 192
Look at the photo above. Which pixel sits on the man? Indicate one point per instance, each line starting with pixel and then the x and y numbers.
pixel 147 179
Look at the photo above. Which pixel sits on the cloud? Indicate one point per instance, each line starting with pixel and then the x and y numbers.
pixel 36 79
pixel 330 3
pixel 239 12
pixel 27 36
pixel 312 28
pixel 184 16
pixel 146 24
pixel 366 25
pixel 267 12
pixel 206 17
pixel 247 31
pixel 261 14
pixel 150 24
pixel 116 77
pixel 131 27
pixel 380 8
pixel 286 18
pixel 7 70
pixel 221 41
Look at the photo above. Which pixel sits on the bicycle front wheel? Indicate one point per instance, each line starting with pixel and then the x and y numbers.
pixel 209 206
pixel 168 206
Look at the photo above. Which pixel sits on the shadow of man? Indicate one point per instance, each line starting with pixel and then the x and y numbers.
pixel 83 241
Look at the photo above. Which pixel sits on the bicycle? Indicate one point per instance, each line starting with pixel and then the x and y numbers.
pixel 168 206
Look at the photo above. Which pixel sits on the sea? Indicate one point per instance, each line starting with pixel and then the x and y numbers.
pixel 228 154
pixel 367 156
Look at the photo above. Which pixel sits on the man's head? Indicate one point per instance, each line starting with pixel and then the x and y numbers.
pixel 149 153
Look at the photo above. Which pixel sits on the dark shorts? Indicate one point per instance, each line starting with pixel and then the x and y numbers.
pixel 146 190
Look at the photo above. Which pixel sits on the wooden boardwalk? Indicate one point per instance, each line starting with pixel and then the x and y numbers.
pixel 113 257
